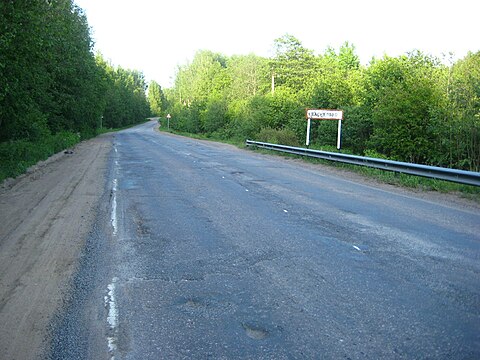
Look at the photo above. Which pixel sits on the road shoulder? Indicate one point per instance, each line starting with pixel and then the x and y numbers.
pixel 46 216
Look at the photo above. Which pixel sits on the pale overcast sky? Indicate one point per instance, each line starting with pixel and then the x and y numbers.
pixel 155 36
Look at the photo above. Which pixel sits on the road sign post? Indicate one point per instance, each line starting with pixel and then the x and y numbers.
pixel 324 114
pixel 339 134
pixel 307 142
pixel 168 121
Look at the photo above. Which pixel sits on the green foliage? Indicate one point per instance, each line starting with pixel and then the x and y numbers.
pixel 293 65
pixel 124 102
pixel 47 71
pixel 251 115
pixel 464 109
pixel 347 57
pixel 186 118
pixel 357 129
pixel 204 77
pixel 51 84
pixel 156 99
pixel 405 95
pixel 17 155
pixel 409 108
pixel 276 136
pixel 249 76
pixel 23 72
pixel 214 117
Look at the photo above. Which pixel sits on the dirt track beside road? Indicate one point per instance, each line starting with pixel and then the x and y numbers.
pixel 45 218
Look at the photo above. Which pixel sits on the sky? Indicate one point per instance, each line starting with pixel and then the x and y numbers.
pixel 155 36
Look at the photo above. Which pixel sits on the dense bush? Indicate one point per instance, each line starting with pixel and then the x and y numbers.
pixel 277 136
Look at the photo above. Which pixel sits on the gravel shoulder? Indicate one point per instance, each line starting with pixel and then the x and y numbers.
pixel 45 218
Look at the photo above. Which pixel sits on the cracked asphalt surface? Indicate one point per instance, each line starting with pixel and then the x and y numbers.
pixel 201 250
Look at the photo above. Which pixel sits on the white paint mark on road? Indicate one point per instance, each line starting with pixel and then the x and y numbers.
pixel 114 207
pixel 112 317
pixel 111 346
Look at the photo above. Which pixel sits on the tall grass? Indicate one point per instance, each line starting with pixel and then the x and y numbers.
pixel 17 156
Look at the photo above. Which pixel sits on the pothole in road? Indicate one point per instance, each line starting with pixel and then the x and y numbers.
pixel 210 307
pixel 192 277
pixel 255 332
pixel 194 303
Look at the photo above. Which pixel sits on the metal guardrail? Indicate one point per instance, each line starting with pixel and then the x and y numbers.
pixel 433 172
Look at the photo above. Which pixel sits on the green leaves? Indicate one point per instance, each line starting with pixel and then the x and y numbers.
pixel 249 75
pixel 51 85
pixel 293 65
pixel 47 71
pixel 409 108
pixel 125 99
pixel 403 95
pixel 463 109
pixel 156 99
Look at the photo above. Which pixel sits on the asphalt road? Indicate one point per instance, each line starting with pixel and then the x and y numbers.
pixel 201 250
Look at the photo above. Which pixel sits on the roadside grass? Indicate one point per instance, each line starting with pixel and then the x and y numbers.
pixel 387 177
pixel 17 156
pixel 392 178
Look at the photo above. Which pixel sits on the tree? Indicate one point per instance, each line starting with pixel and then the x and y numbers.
pixel 156 99
pixel 52 87
pixel 47 70
pixel 23 75
pixel 408 108
pixel 125 99
pixel 214 117
pixel 464 117
pixel 196 84
pixel 404 101
pixel 293 65
pixel 204 77
pixel 347 57
pixel 249 76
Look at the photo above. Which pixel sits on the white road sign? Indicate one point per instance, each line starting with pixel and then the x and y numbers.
pixel 324 114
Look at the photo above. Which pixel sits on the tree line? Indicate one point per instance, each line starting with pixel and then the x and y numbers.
pixel 53 89
pixel 409 108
